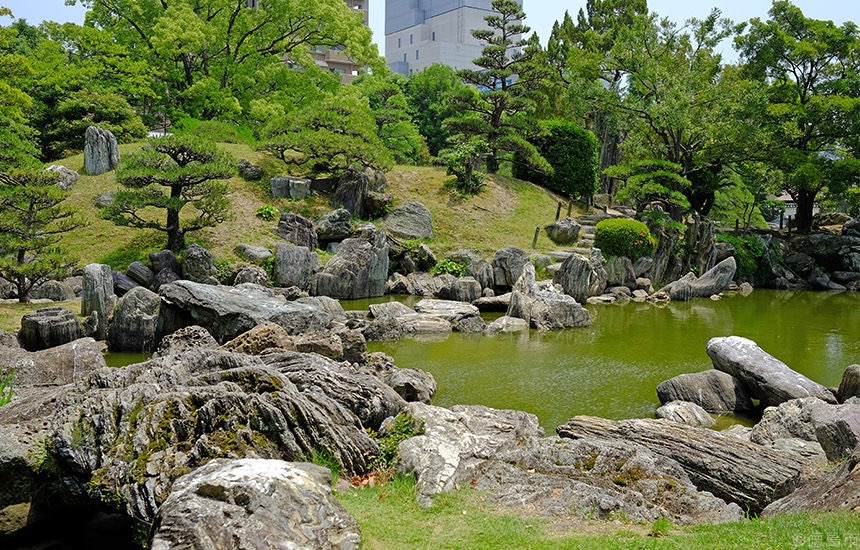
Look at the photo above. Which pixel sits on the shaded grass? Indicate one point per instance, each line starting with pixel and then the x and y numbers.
pixel 390 518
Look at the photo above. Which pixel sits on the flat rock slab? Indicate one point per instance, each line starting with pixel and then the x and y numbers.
pixel 737 471
pixel 227 312
pixel 766 377
pixel 447 309
pixel 838 490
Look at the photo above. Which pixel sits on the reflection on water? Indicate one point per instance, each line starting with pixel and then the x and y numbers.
pixel 612 368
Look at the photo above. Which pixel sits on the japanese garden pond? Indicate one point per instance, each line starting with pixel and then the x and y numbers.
pixel 612 368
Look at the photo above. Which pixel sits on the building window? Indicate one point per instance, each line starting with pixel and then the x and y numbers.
pixel 433 36
pixel 416 54
pixel 411 37
pixel 404 58
pixel 398 42
pixel 251 4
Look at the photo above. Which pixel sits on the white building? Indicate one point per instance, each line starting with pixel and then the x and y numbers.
pixel 419 33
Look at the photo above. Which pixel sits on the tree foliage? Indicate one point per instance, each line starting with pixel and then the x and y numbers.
pixel 169 174
pixel 17 135
pixel 329 136
pixel 32 219
pixel 812 67
pixel 428 94
pixel 499 113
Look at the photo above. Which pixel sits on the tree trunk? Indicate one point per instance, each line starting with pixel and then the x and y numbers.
pixel 175 236
pixel 608 151
pixel 492 163
pixel 805 202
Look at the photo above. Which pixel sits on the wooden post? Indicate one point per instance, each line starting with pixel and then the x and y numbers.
pixel 537 234
pixel 558 211
pixel 569 206
pixel 781 219
pixel 737 224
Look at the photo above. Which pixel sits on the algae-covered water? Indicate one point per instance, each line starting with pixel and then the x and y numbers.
pixel 612 368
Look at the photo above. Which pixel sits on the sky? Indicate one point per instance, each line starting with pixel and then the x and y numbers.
pixel 540 14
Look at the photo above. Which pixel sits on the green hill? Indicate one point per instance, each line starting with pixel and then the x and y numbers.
pixel 505 214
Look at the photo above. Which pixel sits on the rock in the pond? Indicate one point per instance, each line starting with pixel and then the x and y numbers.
pixel 506 324
pixel 412 384
pixel 713 390
pixel 446 309
pixel 227 312
pixel 684 412
pixel 262 503
pixel 716 279
pixel 619 272
pixel 545 309
pixel 358 270
pixel 97 295
pixel 766 377
pixel 508 264
pixel 389 310
pixel 850 385
pixel 582 277
pixel 49 327
pixel 135 324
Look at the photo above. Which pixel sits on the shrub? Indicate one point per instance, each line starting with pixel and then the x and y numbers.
pixel 403 428
pixel 462 162
pixel 449 266
pixel 624 237
pixel 268 212
pixel 750 256
pixel 572 151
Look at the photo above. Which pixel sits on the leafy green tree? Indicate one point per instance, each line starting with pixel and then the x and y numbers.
pixel 812 67
pixel 224 51
pixel 586 81
pixel 653 183
pixel 394 126
pixel 329 136
pixel 499 113
pixel 169 174
pixel 428 94
pixel 463 160
pixel 32 218
pixel 16 132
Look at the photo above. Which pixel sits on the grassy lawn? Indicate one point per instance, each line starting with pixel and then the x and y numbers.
pixel 390 519
pixel 506 213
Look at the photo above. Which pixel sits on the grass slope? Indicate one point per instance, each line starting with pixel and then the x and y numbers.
pixel 505 214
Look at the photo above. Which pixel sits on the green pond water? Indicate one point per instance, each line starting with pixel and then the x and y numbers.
pixel 612 368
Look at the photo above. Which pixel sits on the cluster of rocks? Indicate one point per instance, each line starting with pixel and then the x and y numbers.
pixel 822 261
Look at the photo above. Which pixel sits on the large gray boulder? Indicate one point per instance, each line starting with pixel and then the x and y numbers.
pixel 620 272
pixel 463 289
pixel 262 503
pixel 358 270
pixel 582 277
pixel 684 412
pixel 97 296
pixel 251 274
pixel 295 265
pixel 164 259
pixel 68 177
pixel 545 309
pixel 229 311
pixel 140 274
pixel 175 413
pixel 354 188
pixel 508 264
pixel 334 226
pixel 56 366
pixel 56 291
pixel 564 231
pixel 366 396
pixel 716 279
pixel 297 230
pixel 253 254
pixel 560 479
pixel 101 153
pixel 198 265
pixel 410 221
pixel 850 385
pixel 765 377
pixel 135 326
pixel 836 490
pixel 455 441
pixel 449 310
pixel 713 390
pixel 734 470
pixel 49 327
pixel 290 187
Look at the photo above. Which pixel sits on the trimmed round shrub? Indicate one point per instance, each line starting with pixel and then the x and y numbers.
pixel 624 237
